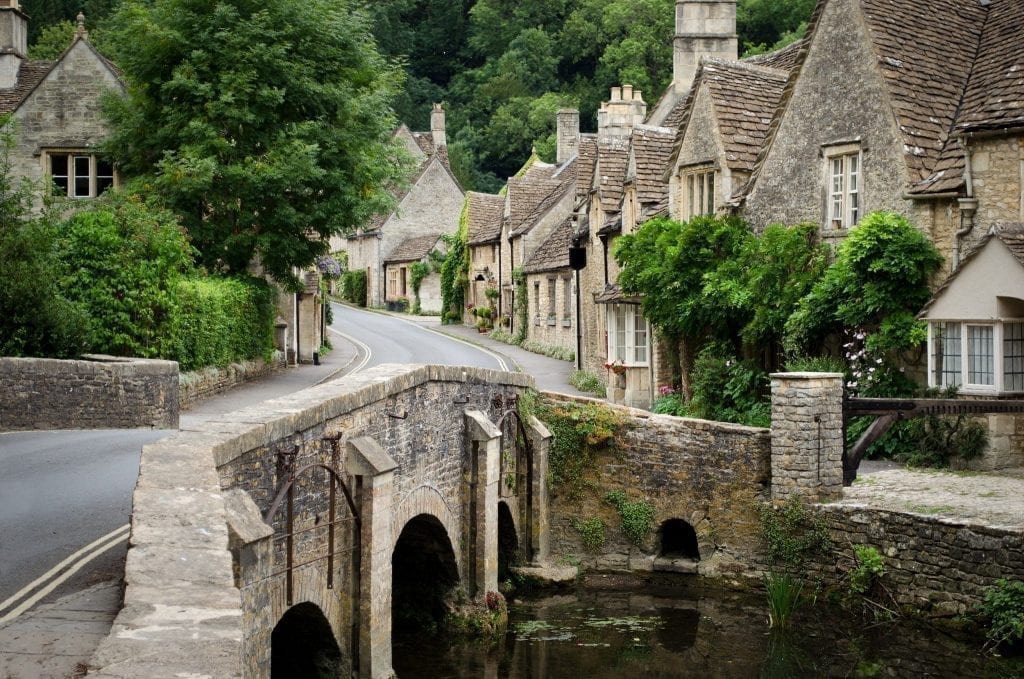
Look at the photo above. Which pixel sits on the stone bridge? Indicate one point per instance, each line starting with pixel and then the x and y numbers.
pixel 285 535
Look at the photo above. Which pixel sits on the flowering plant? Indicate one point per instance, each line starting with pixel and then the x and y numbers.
pixel 328 266
pixel 616 367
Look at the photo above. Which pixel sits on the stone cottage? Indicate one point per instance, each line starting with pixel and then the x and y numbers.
pixel 430 204
pixel 398 271
pixel 552 291
pixel 56 106
pixel 484 213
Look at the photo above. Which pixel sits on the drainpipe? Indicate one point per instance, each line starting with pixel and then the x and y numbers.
pixel 604 251
pixel 501 296
pixel 512 297
pixel 968 206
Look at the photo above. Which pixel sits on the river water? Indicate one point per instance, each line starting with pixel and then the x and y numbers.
pixel 678 631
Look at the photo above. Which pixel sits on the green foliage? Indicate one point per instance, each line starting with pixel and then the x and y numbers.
pixel 591 532
pixel 36 319
pixel 353 287
pixel 121 263
pixel 783 593
pixel 455 271
pixel 815 364
pixel 870 566
pixel 729 390
pixel 637 516
pixel 549 350
pixel 877 283
pixel 578 430
pixel 522 306
pixel 417 272
pixel 764 25
pixel 1003 609
pixel 793 534
pixel 264 126
pixel 223 320
pixel 587 381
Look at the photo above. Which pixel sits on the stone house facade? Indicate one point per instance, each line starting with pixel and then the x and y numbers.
pixel 552 290
pixel 430 204
pixel 398 272
pixel 483 214
pixel 56 107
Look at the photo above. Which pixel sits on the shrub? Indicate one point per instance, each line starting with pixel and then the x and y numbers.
pixel 353 287
pixel 587 381
pixel 121 262
pixel 223 320
pixel 549 350
pixel 870 566
pixel 792 533
pixel 637 516
pixel 591 532
pixel 1003 609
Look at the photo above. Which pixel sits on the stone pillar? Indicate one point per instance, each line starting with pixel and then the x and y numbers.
pixel 807 436
pixel 483 447
pixel 368 461
pixel 251 544
pixel 540 442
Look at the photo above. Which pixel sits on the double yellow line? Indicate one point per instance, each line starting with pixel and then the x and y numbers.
pixel 60 573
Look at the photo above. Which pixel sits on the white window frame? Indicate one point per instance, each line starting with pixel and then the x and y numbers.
pixel 999 363
pixel 631 343
pixel 698 185
pixel 74 173
pixel 844 186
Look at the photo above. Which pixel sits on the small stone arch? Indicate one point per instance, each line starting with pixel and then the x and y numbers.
pixel 303 645
pixel 426 499
pixel 678 540
pixel 423 573
pixel 508 541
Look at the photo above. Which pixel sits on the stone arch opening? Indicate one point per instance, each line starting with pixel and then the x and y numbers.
pixel 508 542
pixel 423 574
pixel 679 540
pixel 303 645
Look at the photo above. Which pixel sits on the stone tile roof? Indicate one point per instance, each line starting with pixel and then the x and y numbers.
pixel 783 59
pixel 612 294
pixel 587 160
pixel 413 249
pixel 533 194
pixel 30 74
pixel 1012 236
pixel 652 149
pixel 612 162
pixel 554 252
pixel 675 116
pixel 484 212
pixel 995 94
pixel 745 99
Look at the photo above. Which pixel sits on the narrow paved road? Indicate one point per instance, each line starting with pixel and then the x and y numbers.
pixel 388 339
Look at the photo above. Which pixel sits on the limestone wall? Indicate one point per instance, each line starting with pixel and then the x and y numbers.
pixel 101 392
pixel 202 384
pixel 710 474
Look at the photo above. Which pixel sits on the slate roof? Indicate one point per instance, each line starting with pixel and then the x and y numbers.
pixel 612 161
pixel 533 194
pixel 413 249
pixel 1012 236
pixel 675 116
pixel 783 59
pixel 484 212
pixel 652 149
pixel 612 294
pixel 587 160
pixel 554 252
pixel 995 94
pixel 30 74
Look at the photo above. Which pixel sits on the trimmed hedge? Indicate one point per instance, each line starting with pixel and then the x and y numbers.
pixel 223 320
pixel 353 287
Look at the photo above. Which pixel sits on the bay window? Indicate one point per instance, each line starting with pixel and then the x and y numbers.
pixel 627 335
pixel 976 356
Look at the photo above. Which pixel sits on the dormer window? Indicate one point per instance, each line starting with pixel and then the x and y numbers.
pixel 698 186
pixel 79 174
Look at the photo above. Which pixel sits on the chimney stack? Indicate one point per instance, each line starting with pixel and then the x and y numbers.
pixel 620 114
pixel 437 126
pixel 704 28
pixel 567 134
pixel 13 41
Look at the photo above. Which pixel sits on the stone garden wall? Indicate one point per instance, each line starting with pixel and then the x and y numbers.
pixel 202 384
pixel 98 392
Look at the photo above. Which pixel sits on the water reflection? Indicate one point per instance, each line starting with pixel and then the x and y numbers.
pixel 681 633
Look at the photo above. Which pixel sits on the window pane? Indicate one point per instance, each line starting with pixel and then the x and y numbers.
pixel 620 332
pixel 980 359
pixel 711 193
pixel 946 359
pixel 700 195
pixel 81 182
pixel 1013 356
pixel 59 173
pixel 566 298
pixel 690 205
pixel 640 337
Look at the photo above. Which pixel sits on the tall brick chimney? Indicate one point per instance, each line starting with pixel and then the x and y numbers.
pixel 13 41
pixel 567 134
pixel 704 28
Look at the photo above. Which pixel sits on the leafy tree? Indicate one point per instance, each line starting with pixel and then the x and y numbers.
pixel 35 319
pixel 264 126
pixel 764 25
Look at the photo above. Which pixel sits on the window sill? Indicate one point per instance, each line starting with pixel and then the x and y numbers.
pixel 551 321
pixel 566 323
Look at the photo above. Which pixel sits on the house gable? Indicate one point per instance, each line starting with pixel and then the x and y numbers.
pixel 977 293
pixel 835 97
pixel 409 142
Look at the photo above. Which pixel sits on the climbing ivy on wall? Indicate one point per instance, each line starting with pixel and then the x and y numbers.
pixel 455 271
pixel 522 306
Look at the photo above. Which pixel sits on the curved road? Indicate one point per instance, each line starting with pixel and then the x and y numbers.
pixel 383 338
pixel 65 496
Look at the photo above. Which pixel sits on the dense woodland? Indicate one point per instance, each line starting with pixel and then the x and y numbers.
pixel 502 68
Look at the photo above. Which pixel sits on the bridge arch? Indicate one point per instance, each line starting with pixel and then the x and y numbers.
pixel 423 573
pixel 508 540
pixel 303 645
pixel 678 540
pixel 425 499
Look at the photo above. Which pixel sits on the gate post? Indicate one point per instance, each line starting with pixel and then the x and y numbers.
pixel 807 436
pixel 366 459
pixel 484 449
pixel 540 442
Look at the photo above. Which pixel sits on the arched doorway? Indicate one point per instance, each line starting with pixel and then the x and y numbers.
pixel 679 540
pixel 423 573
pixel 303 645
pixel 508 542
